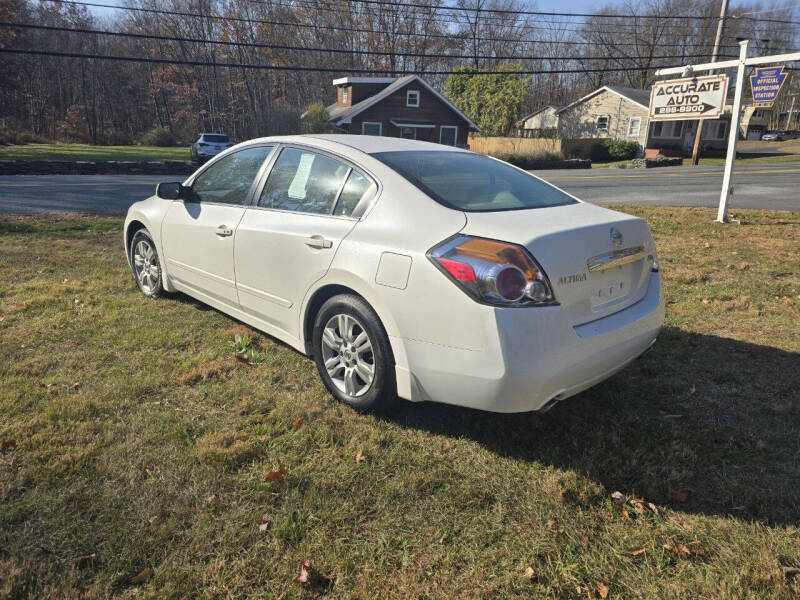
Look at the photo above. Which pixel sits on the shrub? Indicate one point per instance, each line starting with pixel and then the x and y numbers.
pixel 9 137
pixel 74 126
pixel 525 160
pixel 115 137
pixel 315 119
pixel 158 136
pixel 607 150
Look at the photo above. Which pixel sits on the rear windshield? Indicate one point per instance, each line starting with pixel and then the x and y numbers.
pixel 472 182
pixel 215 139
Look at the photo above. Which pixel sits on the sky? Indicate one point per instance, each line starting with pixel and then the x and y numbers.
pixel 578 6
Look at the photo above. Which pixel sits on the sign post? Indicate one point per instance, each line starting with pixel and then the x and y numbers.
pixel 733 134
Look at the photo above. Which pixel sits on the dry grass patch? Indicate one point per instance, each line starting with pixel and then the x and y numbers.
pixel 130 431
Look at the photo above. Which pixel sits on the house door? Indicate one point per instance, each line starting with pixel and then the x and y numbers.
pixel 688 135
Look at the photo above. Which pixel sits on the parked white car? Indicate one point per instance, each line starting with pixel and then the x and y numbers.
pixel 207 146
pixel 407 268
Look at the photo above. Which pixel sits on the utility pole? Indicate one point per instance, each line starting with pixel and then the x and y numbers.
pixel 791 110
pixel 717 41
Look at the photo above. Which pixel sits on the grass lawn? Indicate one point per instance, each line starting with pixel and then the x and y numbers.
pixel 70 152
pixel 138 453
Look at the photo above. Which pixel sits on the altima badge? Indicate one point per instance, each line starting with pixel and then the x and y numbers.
pixel 616 237
pixel 567 279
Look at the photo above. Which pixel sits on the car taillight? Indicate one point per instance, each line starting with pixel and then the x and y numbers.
pixel 493 272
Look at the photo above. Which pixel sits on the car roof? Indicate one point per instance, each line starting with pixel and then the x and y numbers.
pixel 368 144
pixel 209 133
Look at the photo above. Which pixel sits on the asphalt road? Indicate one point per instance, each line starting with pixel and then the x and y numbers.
pixel 756 186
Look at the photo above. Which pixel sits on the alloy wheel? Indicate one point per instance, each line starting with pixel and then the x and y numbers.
pixel 347 355
pixel 145 266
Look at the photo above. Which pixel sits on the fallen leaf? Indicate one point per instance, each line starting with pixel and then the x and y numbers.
pixel 303 577
pixel 791 571
pixel 7 445
pixel 83 561
pixel 277 475
pixel 679 550
pixel 636 551
pixel 706 301
pixel 241 358
pixel 160 518
pixel 618 497
pixel 692 389
pixel 360 455
pixel 653 507
pixel 142 576
pixel 264 523
pixel 296 425
pixel 677 494
pixel 528 574
pixel 602 589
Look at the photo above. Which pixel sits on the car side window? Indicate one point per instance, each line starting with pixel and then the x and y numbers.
pixel 355 189
pixel 303 181
pixel 228 180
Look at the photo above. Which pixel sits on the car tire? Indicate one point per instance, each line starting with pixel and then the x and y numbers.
pixel 146 264
pixel 353 355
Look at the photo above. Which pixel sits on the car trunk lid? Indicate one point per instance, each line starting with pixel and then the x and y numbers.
pixel 598 260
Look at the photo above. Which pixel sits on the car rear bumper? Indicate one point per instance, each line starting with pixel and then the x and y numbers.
pixel 533 356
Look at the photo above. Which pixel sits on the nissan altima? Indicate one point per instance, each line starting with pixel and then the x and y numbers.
pixel 407 269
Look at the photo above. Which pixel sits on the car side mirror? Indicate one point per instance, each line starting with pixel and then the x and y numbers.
pixel 173 190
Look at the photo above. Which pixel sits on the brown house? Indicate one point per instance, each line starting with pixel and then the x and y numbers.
pixel 405 107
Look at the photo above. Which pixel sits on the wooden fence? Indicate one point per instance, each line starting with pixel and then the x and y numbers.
pixel 513 145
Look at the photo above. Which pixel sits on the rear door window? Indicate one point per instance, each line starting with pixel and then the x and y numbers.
pixel 303 181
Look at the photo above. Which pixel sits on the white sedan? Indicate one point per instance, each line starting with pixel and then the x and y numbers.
pixel 407 269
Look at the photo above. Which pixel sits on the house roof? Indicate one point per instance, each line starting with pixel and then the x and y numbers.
pixel 342 115
pixel 350 80
pixel 635 95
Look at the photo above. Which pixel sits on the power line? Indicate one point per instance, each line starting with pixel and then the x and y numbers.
pixel 340 28
pixel 320 49
pixel 200 63
pixel 558 14
pixel 519 12
pixel 320 5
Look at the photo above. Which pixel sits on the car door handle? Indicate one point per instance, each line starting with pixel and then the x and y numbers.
pixel 318 241
pixel 224 231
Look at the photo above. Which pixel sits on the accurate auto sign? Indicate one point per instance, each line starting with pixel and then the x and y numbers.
pixel 691 98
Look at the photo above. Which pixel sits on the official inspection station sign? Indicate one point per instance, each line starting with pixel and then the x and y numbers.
pixel 766 82
pixel 690 98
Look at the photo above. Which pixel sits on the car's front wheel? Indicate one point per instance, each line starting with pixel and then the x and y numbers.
pixel 145 264
pixel 353 355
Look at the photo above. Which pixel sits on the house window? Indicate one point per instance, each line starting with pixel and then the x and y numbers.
pixel 717 129
pixel 668 129
pixel 345 95
pixel 370 128
pixel 602 123
pixel 408 133
pixel 758 114
pixel 412 98
pixel 634 126
pixel 448 135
